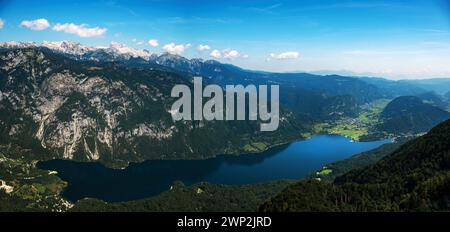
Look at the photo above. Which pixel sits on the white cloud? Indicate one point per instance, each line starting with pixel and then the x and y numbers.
pixel 177 49
pixel 80 30
pixel 231 54
pixel 140 43
pixel 37 25
pixel 285 55
pixel 153 43
pixel 203 47
pixel 216 54
pixel 227 54
pixel 2 23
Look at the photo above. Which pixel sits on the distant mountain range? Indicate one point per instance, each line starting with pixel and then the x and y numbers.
pixel 80 51
pixel 214 69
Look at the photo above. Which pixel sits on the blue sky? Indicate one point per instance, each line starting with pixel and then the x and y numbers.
pixel 393 39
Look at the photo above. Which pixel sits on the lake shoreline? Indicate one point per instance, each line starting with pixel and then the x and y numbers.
pixel 291 161
pixel 126 164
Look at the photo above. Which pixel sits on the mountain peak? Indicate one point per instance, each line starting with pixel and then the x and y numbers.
pixel 122 49
pixel 74 48
pixel 69 47
pixel 14 44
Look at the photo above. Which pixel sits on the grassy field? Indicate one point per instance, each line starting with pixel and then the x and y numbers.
pixel 351 131
pixel 353 128
pixel 324 172
pixel 370 116
pixel 255 147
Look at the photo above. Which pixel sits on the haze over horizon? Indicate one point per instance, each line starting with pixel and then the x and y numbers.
pixel 390 39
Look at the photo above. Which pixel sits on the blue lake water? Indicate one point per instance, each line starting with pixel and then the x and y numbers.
pixel 140 180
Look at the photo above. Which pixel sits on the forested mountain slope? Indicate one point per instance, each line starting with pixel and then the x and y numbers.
pixel 409 114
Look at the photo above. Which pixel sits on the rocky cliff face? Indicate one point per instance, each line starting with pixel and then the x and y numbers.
pixel 89 110
pixel 73 109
